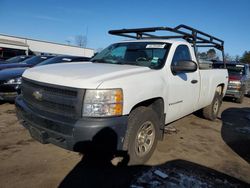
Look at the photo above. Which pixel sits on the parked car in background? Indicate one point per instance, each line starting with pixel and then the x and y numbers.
pixel 17 59
pixel 11 79
pixel 30 62
pixel 64 59
pixel 239 80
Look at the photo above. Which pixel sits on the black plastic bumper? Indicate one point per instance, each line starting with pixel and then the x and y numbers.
pixel 9 92
pixel 233 93
pixel 68 134
pixel 8 96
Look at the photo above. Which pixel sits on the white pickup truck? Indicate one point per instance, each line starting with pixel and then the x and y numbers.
pixel 134 88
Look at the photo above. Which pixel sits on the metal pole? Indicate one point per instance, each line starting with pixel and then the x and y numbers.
pixel 223 55
pixel 194 34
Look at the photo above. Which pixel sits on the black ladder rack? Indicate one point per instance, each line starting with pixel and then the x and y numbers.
pixel 196 37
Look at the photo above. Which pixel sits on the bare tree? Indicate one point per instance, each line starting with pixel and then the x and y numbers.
pixel 211 54
pixel 228 57
pixel 81 40
pixel 237 58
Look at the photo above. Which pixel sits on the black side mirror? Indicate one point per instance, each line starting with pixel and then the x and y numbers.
pixel 183 66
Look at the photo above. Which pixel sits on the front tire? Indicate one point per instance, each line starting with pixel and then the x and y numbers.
pixel 142 134
pixel 211 112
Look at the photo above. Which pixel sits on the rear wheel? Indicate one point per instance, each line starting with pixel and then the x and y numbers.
pixel 211 112
pixel 241 98
pixel 142 134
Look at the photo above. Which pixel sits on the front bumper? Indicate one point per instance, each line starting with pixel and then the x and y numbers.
pixel 233 93
pixel 68 134
pixel 8 96
pixel 9 92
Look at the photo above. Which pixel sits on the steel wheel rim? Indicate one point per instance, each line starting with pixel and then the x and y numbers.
pixel 216 106
pixel 145 138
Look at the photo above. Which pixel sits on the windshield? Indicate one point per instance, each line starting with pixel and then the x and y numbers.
pixel 236 70
pixel 17 59
pixel 35 60
pixel 55 60
pixel 147 54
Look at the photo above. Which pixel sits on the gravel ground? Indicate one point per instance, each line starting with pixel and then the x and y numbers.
pixel 198 153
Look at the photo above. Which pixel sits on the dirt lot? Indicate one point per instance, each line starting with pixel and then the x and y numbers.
pixel 221 146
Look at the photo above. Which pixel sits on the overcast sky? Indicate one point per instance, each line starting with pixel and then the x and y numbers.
pixel 59 21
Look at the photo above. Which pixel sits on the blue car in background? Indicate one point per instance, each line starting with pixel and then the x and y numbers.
pixel 11 79
pixel 30 62
pixel 16 59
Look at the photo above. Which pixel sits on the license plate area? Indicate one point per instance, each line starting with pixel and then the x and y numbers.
pixel 41 136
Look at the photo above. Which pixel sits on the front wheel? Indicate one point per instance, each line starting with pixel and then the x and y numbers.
pixel 142 134
pixel 211 112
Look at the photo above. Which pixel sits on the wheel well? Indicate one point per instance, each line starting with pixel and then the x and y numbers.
pixel 157 104
pixel 220 89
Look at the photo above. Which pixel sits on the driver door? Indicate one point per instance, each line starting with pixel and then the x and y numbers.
pixel 183 92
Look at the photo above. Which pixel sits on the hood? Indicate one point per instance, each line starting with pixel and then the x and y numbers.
pixel 81 75
pixel 7 74
pixel 12 65
pixel 235 77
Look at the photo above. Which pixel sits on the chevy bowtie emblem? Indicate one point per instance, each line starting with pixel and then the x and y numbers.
pixel 37 95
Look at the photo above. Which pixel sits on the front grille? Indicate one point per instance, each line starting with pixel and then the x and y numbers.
pixel 59 100
pixel 51 89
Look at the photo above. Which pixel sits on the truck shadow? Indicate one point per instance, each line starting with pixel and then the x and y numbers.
pixel 6 102
pixel 2 102
pixel 96 170
pixel 236 130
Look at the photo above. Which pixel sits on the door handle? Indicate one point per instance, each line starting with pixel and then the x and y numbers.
pixel 194 81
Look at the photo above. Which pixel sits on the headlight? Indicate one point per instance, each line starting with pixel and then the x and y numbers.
pixel 17 81
pixel 101 103
pixel 233 84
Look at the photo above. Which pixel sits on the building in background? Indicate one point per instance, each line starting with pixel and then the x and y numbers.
pixel 12 46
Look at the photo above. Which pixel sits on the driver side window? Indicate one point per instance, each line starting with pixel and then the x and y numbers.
pixel 181 53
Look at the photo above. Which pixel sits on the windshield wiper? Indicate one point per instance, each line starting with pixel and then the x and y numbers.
pixel 98 60
pixel 126 63
pixel 115 63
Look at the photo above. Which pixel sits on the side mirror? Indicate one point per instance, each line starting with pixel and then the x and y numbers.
pixel 183 66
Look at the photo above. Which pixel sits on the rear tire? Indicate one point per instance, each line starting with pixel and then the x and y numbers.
pixel 211 112
pixel 240 100
pixel 248 94
pixel 142 134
